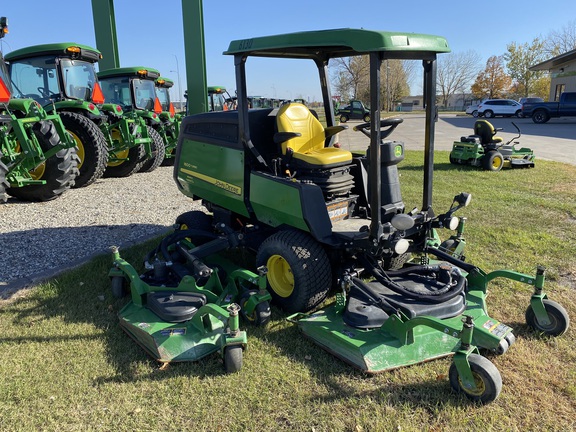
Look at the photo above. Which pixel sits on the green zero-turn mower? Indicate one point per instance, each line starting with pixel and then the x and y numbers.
pixel 169 118
pixel 133 88
pixel 38 160
pixel 487 150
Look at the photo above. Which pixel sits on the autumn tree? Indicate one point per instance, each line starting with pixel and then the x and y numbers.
pixel 561 41
pixel 519 58
pixel 352 74
pixel 492 82
pixel 455 72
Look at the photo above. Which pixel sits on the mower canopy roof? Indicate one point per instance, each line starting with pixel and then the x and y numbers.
pixel 324 44
pixel 64 49
pixel 164 82
pixel 135 71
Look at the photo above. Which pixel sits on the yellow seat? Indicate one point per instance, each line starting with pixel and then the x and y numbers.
pixel 302 137
pixel 486 132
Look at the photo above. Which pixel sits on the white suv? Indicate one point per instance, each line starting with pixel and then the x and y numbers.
pixel 499 107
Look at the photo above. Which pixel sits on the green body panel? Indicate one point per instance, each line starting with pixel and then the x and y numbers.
pixel 276 203
pixel 75 105
pixel 199 337
pixel 195 50
pixel 58 49
pixel 222 184
pixel 342 41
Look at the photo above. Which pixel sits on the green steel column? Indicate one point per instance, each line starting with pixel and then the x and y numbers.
pixel 193 20
pixel 105 31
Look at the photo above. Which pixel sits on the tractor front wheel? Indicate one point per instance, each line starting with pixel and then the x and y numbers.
pixel 299 275
pixel 158 149
pixel 129 161
pixel 559 319
pixel 486 377
pixel 58 171
pixel 493 161
pixel 3 182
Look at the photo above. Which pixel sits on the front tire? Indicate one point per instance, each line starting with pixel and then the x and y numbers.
pixel 559 319
pixel 3 182
pixel 261 314
pixel 131 159
pixel 487 378
pixel 233 358
pixel 158 151
pixel 343 118
pixel 493 161
pixel 299 274
pixel 58 171
pixel 91 145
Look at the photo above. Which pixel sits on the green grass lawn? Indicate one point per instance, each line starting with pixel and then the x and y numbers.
pixel 67 366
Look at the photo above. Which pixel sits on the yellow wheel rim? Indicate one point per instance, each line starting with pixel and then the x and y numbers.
pixel 480 385
pixel 497 162
pixel 122 154
pixel 280 276
pixel 36 173
pixel 80 148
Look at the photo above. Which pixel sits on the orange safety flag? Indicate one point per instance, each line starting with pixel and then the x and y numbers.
pixel 157 106
pixel 97 95
pixel 4 92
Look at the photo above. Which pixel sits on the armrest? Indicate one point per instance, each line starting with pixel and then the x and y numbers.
pixel 333 130
pixel 280 137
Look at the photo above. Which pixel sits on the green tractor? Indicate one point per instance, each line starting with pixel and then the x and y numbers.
pixel 38 160
pixel 111 142
pixel 134 90
pixel 489 151
pixel 170 120
pixel 217 101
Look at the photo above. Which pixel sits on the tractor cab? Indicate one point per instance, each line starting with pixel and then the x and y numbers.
pixel 217 99
pixel 57 73
pixel 163 86
pixel 133 88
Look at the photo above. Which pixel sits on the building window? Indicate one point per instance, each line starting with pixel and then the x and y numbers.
pixel 559 90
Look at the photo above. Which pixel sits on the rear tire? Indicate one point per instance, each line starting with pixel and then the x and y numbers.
pixel 3 182
pixel 158 150
pixel 299 272
pixel 488 114
pixel 91 144
pixel 58 171
pixel 366 118
pixel 540 116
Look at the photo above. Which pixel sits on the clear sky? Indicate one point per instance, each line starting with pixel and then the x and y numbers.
pixel 150 33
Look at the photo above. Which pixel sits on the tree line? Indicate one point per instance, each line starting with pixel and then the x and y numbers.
pixel 503 76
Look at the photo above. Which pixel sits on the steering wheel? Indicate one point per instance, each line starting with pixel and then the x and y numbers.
pixel 45 93
pixel 390 123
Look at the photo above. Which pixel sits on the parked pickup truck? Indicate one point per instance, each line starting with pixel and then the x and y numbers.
pixel 541 112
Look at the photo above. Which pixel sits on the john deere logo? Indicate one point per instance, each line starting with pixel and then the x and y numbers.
pixel 398 151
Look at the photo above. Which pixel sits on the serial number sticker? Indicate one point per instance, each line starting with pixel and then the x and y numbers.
pixel 338 211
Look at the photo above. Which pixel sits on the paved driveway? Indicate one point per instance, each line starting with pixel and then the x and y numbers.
pixel 555 140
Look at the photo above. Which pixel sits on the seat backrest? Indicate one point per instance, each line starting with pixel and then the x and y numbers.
pixel 484 130
pixel 296 117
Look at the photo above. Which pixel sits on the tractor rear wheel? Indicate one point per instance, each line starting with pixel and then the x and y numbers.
pixel 58 171
pixel 3 182
pixel 91 144
pixel 158 150
pixel 493 161
pixel 299 275
pixel 130 160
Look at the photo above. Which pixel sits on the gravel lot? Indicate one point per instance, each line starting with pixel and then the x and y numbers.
pixel 41 239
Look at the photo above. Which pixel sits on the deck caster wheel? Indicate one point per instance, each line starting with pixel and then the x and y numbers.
pixel 233 358
pixel 559 319
pixel 261 314
pixel 487 378
pixel 119 287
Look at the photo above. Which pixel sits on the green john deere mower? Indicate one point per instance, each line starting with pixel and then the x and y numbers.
pixel 38 159
pixel 318 217
pixel 489 151
pixel 133 89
